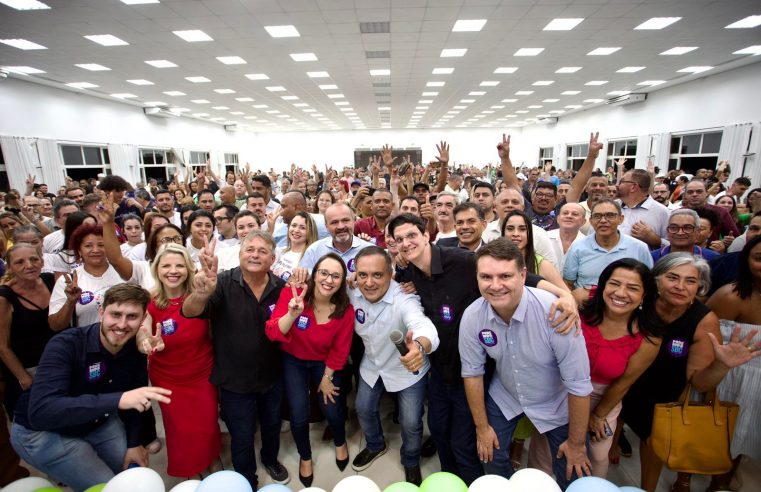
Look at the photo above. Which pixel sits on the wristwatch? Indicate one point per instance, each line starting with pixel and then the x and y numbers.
pixel 420 347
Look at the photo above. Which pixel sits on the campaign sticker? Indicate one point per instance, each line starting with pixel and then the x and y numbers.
pixel 286 275
pixel 678 347
pixel 302 323
pixel 446 313
pixel 360 315
pixel 86 297
pixel 271 308
pixel 350 265
pixel 487 337
pixel 168 327
pixel 95 372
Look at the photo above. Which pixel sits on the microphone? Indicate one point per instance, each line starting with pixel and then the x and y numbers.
pixel 397 338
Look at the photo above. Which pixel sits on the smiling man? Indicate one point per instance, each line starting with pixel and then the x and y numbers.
pixel 339 219
pixel 373 226
pixel 469 224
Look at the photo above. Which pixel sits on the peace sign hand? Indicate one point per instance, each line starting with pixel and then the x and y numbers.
pixel 72 290
pixel 503 148
pixel 595 147
pixel 151 343
pixel 296 305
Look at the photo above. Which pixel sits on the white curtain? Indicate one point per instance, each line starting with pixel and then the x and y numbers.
pixel 561 160
pixel 661 149
pixel 734 143
pixel 643 152
pixel 124 161
pixel 21 160
pixel 51 164
pixel 750 159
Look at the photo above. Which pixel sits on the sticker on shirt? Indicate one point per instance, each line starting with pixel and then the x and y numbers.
pixel 302 323
pixel 95 372
pixel 678 347
pixel 446 313
pixel 271 308
pixel 487 337
pixel 86 297
pixel 360 315
pixel 168 327
pixel 350 265
pixel 285 276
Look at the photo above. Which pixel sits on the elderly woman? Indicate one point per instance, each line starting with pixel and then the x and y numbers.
pixel 66 260
pixel 690 351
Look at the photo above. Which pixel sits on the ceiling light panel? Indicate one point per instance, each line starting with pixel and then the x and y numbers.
pixel 657 23
pixel 140 82
pixel 568 69
pixel 231 60
pixel 747 23
pixel 25 4
pixel 630 69
pixel 562 24
pixel 23 70
pixel 286 31
pixel 124 95
pixel 93 67
pixel 138 2
pixel 160 63
pixel 544 82
pixel 318 75
pixel 82 85
pixel 603 51
pixel 193 36
pixel 23 44
pixel 442 71
pixel 174 93
pixel 106 40
pixel 472 25
pixel 528 52
pixel 695 69
pixel 453 52
pixel 597 82
pixel 505 69
pixel 224 91
pixel 379 72
pixel 257 76
pixel 199 79
pixel 679 50
pixel 750 50
pixel 303 57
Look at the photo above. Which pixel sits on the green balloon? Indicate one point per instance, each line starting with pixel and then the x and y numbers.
pixel 48 489
pixel 402 487
pixel 96 488
pixel 443 482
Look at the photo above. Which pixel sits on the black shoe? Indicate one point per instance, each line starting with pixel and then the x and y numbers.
pixel 306 480
pixel 625 445
pixel 412 475
pixel 278 473
pixel 429 448
pixel 341 464
pixel 366 457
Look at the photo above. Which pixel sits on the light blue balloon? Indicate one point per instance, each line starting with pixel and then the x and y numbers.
pixel 592 484
pixel 275 487
pixel 629 488
pixel 225 481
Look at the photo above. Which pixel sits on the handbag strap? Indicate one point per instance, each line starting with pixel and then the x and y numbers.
pixel 712 395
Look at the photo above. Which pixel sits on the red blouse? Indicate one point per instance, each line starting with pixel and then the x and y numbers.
pixel 308 340
pixel 608 358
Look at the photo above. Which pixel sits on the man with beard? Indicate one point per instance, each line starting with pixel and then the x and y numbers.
pixel 661 194
pixel 165 207
pixel 339 219
pixel 695 197
pixel 469 223
pixel 483 196
pixel 374 226
pixel 644 218
pixel 446 201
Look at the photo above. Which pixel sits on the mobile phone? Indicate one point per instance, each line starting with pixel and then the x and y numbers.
pixel 403 169
pixel 608 430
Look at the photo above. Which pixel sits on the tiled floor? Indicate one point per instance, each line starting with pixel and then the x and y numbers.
pixel 387 469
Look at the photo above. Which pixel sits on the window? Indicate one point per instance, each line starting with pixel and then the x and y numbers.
pixel 545 156
pixel 231 162
pixel 85 161
pixel 576 155
pixel 158 164
pixel 621 148
pixel 693 151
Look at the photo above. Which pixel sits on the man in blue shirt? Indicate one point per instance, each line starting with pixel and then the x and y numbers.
pixel 339 219
pixel 80 420
pixel 539 373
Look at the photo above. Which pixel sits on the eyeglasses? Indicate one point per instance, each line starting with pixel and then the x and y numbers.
pixel 628 181
pixel 548 196
pixel 325 274
pixel 609 216
pixel 172 239
pixel 687 228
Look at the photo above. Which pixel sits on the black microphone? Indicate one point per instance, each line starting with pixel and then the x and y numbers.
pixel 397 338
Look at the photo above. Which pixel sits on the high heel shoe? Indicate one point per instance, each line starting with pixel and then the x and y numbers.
pixel 341 464
pixel 306 480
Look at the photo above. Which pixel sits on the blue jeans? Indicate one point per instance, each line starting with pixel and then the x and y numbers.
pixel 240 411
pixel 79 462
pixel 452 428
pixel 504 428
pixel 410 417
pixel 297 375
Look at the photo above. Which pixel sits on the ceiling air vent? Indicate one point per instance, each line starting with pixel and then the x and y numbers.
pixel 626 99
pixel 374 27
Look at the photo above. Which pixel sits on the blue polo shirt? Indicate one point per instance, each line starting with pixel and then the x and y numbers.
pixel 586 259
pixel 320 248
pixel 705 253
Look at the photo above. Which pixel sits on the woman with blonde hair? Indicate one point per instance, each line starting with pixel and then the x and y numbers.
pixel 302 232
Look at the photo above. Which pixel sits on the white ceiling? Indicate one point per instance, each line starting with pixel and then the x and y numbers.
pixel 419 30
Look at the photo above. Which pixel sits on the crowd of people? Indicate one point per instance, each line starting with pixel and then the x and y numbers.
pixel 504 304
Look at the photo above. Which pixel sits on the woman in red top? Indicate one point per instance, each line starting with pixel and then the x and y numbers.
pixel 621 330
pixel 180 357
pixel 314 328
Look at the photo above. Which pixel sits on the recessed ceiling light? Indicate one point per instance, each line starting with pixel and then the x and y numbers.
pixel 658 23
pixel 476 93
pixel 341 103
pixel 22 44
pixel 259 106
pixel 193 35
pixel 521 111
pixel 272 111
pixel 746 23
pixel 25 4
pixel 244 99
pixel 442 71
pixel 309 110
pixel 489 83
pixel 93 67
pixel 435 84
pixel 384 108
pixel 155 103
pixel 289 98
pixel 178 110
pixel 562 24
pixel 231 60
pixel 505 69
pixel 318 75
pixel 425 101
pixel 544 82
pixel 335 96
pixel 328 87
pixel 123 95
pixel 257 76
pixel 550 100
pixel 200 115
pixel 573 106
pixel 467 101
pixel 24 70
pixel 174 93
pixel 567 69
pixel 430 94
pixel 498 106
pixel 160 63
pixel 695 69
pixel 379 72
pixel 82 85
pixel 220 108
pixel 473 25
pixel 275 88
pixel 300 105
pixel 593 101
pixel 619 93
pixel 630 69
pixel 422 107
pixel 570 93
pixel 288 31
pixel 524 93
pixel 597 82
pixel 509 100
pixel 224 91
pixel 140 82
pixel 557 111
pixel 750 50
pixel 346 109
pixel 603 51
pixel 200 101
pixel 106 40
pixel 138 2
pixel 453 52
pixel 237 113
pixel 302 57
pixel 535 106
pixel 652 82
pixel 459 107
pixel 679 50
pixel 198 79
pixel 528 51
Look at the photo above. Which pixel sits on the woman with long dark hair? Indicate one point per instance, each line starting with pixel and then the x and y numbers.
pixel 517 228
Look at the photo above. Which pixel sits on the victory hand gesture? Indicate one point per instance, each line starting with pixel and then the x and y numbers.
pixel 72 290
pixel 151 343
pixel 503 148
pixel 296 304
pixel 594 146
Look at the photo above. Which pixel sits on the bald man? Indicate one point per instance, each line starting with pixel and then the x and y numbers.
pixel 571 218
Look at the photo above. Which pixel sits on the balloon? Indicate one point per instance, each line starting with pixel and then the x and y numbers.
pixel 186 486
pixel 489 483
pixel 96 488
pixel 225 481
pixel 138 479
pixel 275 487
pixel 533 480
pixel 443 482
pixel 592 484
pixel 313 489
pixel 629 488
pixel 27 484
pixel 402 487
pixel 356 483
pixel 48 489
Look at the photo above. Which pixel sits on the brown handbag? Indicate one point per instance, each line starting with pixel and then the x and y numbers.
pixel 694 437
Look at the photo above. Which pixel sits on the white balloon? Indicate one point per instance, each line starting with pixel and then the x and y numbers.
pixel 313 489
pixel 27 484
pixel 356 483
pixel 533 480
pixel 139 479
pixel 186 486
pixel 490 483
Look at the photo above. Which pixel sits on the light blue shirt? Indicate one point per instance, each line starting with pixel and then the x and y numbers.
pixel 320 248
pixel 280 234
pixel 537 368
pixel 373 322
pixel 586 259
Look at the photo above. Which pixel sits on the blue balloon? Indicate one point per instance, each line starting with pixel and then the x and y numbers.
pixel 629 488
pixel 225 481
pixel 275 487
pixel 592 484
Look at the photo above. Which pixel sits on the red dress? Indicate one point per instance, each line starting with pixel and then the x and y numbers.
pixel 184 366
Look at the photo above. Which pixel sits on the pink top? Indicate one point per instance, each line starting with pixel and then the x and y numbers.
pixel 608 358
pixel 308 340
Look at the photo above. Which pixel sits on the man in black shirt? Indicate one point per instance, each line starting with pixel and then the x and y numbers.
pixel 80 420
pixel 247 366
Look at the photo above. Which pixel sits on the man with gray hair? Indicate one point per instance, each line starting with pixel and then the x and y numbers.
pixel 446 201
pixel 682 233
pixel 644 218
pixel 53 242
